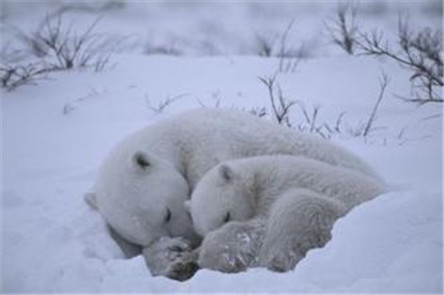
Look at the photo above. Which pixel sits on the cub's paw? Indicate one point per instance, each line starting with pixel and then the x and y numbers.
pixel 170 257
pixel 283 261
pixel 232 248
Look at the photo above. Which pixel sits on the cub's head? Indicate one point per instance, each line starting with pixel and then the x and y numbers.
pixel 222 195
pixel 142 197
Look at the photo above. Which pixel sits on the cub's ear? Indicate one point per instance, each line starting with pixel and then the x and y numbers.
pixel 187 205
pixel 140 160
pixel 91 199
pixel 226 172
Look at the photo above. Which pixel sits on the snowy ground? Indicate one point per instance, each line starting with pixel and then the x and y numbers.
pixel 55 134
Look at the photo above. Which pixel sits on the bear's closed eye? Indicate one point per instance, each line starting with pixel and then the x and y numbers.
pixel 227 217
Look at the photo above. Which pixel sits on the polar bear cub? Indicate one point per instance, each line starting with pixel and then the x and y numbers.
pixel 297 200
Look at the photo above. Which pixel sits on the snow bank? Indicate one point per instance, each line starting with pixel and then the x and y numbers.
pixel 374 249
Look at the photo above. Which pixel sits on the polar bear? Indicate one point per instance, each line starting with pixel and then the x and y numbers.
pixel 144 180
pixel 296 200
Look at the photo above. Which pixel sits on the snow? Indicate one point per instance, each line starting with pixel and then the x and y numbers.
pixel 55 134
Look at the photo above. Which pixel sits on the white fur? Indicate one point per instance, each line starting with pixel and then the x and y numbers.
pixel 180 150
pixel 299 199
pixel 234 247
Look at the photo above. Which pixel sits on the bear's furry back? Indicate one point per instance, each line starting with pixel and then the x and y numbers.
pixel 197 140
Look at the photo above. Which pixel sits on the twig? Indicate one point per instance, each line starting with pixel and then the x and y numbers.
pixel 280 105
pixel 165 103
pixel 383 82
pixel 421 53
pixel 343 30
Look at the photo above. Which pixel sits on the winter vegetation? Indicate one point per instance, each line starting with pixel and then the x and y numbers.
pixel 77 77
pixel 419 51
pixel 54 46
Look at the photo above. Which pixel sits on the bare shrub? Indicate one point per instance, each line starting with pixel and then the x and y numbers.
pixel 54 46
pixel 162 105
pixel 337 127
pixel 343 29
pixel 18 75
pixel 215 104
pixel 310 123
pixel 280 105
pixel 418 52
pixel 364 129
pixel 309 118
pixel 259 112
pixel 279 46
pixel 63 48
pixel 265 45
pixel 68 109
pixel 280 112
pixel 289 56
pixel 383 82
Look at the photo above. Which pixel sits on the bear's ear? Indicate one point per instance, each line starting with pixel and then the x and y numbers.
pixel 226 172
pixel 140 160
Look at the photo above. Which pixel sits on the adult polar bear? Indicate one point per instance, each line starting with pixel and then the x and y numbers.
pixel 144 180
pixel 281 207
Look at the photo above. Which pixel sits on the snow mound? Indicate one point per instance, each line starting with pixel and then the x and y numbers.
pixel 391 244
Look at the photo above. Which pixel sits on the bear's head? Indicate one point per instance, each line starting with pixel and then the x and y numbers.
pixel 141 196
pixel 222 195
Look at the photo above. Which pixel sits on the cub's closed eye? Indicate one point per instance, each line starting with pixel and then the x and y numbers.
pixel 227 217
pixel 190 216
pixel 167 217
